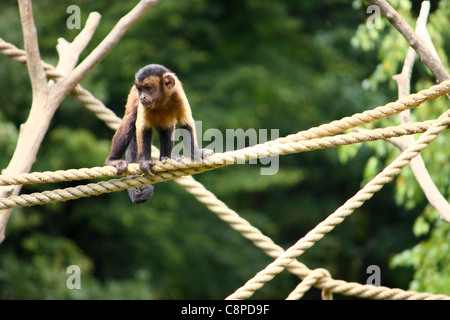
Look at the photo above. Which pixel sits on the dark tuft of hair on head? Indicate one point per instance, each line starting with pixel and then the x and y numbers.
pixel 151 70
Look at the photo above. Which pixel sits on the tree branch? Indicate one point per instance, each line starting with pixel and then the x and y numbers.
pixel 35 70
pixel 106 45
pixel 46 99
pixel 403 82
pixel 69 53
pixel 425 54
pixel 26 149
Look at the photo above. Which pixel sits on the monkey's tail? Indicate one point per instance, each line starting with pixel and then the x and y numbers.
pixel 140 195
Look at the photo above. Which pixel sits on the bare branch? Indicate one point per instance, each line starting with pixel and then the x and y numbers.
pixel 35 70
pixel 26 149
pixel 425 54
pixel 429 188
pixel 69 53
pixel 421 28
pixel 106 45
pixel 403 79
pixel 46 99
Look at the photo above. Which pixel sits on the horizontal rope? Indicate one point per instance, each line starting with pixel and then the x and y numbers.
pixel 174 169
pixel 187 166
pixel 248 153
pixel 372 292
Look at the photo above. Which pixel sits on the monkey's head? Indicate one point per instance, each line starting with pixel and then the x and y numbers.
pixel 154 84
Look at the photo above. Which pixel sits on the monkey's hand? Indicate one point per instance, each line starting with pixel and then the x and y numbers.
pixel 121 165
pixel 145 166
pixel 200 154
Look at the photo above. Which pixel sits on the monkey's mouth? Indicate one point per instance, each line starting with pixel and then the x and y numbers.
pixel 148 105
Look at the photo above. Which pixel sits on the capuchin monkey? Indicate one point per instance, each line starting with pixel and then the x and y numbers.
pixel 156 101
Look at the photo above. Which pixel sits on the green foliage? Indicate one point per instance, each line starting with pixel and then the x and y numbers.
pixel 428 258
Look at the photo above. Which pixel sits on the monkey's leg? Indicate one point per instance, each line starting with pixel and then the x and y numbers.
pixel 165 143
pixel 131 154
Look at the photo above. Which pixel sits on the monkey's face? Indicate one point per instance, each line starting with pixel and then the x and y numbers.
pixel 149 93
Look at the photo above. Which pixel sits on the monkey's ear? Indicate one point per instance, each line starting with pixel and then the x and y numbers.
pixel 169 81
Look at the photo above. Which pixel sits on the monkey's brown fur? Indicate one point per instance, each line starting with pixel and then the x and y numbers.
pixel 156 100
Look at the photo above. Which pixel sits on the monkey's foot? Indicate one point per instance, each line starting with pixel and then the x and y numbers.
pixel 202 153
pixel 176 158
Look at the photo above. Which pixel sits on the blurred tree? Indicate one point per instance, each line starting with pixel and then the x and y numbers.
pixel 283 65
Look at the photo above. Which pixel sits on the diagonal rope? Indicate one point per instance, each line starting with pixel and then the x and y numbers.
pixel 267 274
pixel 322 279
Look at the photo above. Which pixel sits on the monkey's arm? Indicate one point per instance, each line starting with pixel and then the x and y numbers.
pixel 190 142
pixel 120 142
pixel 144 145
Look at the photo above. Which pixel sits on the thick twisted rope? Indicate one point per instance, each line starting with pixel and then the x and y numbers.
pixel 309 281
pixel 173 169
pixel 322 280
pixel 239 224
pixel 218 159
pixel 267 274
